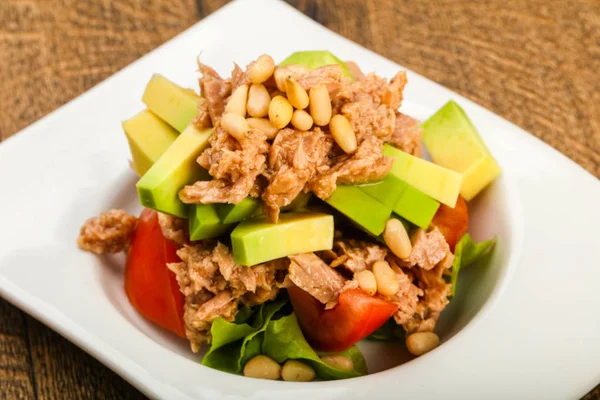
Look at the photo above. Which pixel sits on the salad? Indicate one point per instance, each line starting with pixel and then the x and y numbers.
pixel 288 214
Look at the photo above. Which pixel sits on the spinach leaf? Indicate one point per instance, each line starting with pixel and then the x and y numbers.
pixel 252 343
pixel 229 349
pixel 468 252
pixel 283 340
pixel 225 348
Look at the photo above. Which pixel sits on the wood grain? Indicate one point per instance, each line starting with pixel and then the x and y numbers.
pixel 533 62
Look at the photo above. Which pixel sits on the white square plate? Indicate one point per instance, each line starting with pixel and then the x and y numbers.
pixel 536 338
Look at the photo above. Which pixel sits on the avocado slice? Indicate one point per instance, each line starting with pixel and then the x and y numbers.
pixel 205 222
pixel 175 105
pixel 403 199
pixel 251 207
pixel 256 240
pixel 230 213
pixel 148 137
pixel 433 180
pixel 315 59
pixel 370 214
pixel 454 143
pixel 159 187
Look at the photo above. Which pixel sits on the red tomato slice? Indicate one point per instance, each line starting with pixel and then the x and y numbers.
pixel 452 222
pixel 150 286
pixel 355 317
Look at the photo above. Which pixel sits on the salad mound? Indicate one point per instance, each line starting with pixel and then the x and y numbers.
pixel 289 214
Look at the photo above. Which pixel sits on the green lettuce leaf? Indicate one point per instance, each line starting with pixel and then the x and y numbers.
pixel 229 348
pixel 252 343
pixel 466 253
pixel 283 340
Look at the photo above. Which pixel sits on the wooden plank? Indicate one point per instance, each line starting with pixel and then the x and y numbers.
pixel 16 378
pixel 63 371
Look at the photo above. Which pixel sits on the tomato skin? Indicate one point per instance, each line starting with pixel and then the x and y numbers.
pixel 355 317
pixel 151 287
pixel 452 222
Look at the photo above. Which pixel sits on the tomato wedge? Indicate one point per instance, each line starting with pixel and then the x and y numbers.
pixel 150 286
pixel 452 222
pixel 355 317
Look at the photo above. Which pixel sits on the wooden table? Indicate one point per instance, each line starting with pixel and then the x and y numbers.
pixel 534 62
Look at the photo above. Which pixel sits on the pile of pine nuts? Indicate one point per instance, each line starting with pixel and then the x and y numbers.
pixel 263 367
pixel 382 279
pixel 251 106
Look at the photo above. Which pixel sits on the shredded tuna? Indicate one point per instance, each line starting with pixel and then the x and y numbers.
pixel 428 248
pixel 355 70
pixel 293 160
pixel 356 255
pixel 234 165
pixel 328 75
pixel 367 90
pixel 407 134
pixel 173 228
pixel 434 300
pixel 199 314
pixel 202 119
pixel 269 279
pixel 213 285
pixel 393 93
pixel 215 90
pixel 110 232
pixel 238 77
pixel 311 274
pixel 367 164
pixel 369 119
pixel 407 297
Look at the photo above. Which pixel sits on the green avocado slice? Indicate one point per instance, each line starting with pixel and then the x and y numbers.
pixel 148 137
pixel 454 143
pixel 369 213
pixel 205 223
pixel 172 103
pixel 159 188
pixel 403 199
pixel 231 213
pixel 440 183
pixel 257 240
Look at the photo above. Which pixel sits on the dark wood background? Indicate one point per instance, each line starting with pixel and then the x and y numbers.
pixel 534 62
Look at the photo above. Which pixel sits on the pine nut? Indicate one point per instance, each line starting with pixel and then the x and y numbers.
pixel 295 71
pixel 342 132
pixel 397 239
pixel 258 100
pixel 339 362
pixel 262 367
pixel 280 112
pixel 302 120
pixel 235 125
pixel 261 69
pixel 296 93
pixel 366 281
pixel 320 105
pixel 237 101
pixel 281 74
pixel 387 281
pixel 296 371
pixel 419 343
pixel 264 125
